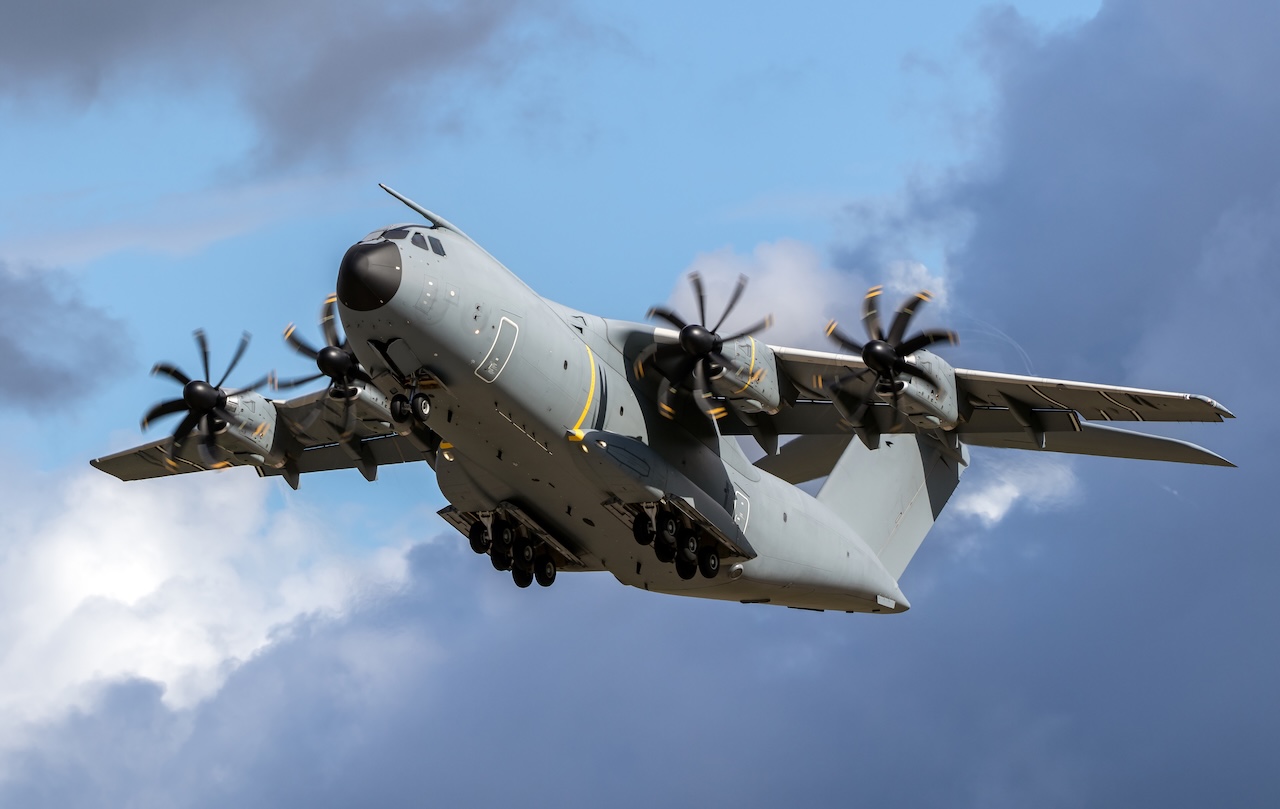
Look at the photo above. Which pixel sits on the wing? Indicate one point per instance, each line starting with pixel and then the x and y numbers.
pixel 309 434
pixel 997 410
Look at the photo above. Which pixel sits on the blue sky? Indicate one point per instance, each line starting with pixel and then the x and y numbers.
pixel 1091 187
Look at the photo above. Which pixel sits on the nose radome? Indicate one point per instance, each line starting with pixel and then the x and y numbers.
pixel 369 275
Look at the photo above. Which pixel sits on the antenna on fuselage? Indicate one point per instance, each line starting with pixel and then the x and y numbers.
pixel 435 219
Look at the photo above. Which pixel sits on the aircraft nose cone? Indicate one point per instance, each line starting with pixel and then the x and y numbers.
pixel 369 275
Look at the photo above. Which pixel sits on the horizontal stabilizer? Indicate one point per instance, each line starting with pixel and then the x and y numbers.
pixel 1098 439
pixel 805 458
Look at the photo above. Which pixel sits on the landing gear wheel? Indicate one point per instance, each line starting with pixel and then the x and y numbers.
pixel 400 410
pixel 522 578
pixel 642 529
pixel 479 537
pixel 523 553
pixel 668 526
pixel 708 562
pixel 500 560
pixel 503 534
pixel 544 570
pixel 686 570
pixel 421 407
pixel 665 553
pixel 687 545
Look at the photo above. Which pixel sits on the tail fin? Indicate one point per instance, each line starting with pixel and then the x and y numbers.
pixel 891 495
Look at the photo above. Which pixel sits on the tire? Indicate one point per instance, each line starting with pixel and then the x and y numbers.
pixel 544 571
pixel 642 529
pixel 708 563
pixel 687 545
pixel 400 410
pixel 665 553
pixel 421 407
pixel 523 578
pixel 500 560
pixel 502 534
pixel 668 526
pixel 686 570
pixel 523 553
pixel 478 535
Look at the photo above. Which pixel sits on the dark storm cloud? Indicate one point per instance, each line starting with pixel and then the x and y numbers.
pixel 1116 148
pixel 313 76
pixel 53 345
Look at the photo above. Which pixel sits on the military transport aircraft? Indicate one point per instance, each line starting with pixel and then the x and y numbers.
pixel 568 442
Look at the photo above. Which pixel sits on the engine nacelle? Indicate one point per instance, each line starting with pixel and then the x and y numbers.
pixel 757 368
pixel 926 406
pixel 256 431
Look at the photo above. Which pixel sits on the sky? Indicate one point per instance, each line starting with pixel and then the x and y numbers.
pixel 1090 188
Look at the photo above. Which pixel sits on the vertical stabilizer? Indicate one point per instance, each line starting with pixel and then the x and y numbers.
pixel 891 495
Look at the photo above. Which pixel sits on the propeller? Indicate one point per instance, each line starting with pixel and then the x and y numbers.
pixel 203 401
pixel 885 354
pixel 697 357
pixel 335 360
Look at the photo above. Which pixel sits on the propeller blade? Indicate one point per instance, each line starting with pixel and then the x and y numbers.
pixel 755 327
pixel 285 384
pixel 905 312
pixel 730 370
pixel 733 301
pixel 702 392
pixel 696 280
pixel 644 356
pixel 846 342
pixel 348 419
pixel 666 314
pixel 908 369
pixel 211 454
pixel 179 435
pixel 927 338
pixel 299 345
pixel 203 342
pixel 666 392
pixel 228 416
pixel 171 371
pixel 329 320
pixel 870 313
pixel 235 359
pixel 163 409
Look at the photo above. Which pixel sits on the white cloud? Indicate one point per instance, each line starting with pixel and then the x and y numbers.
pixel 1035 481
pixel 791 281
pixel 176 581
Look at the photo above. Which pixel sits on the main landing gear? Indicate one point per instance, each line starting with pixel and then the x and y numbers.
pixel 673 541
pixel 509 548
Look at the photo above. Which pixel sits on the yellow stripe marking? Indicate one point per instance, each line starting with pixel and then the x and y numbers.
pixel 333 298
pixel 874 291
pixel 591 395
pixel 289 330
pixel 445 445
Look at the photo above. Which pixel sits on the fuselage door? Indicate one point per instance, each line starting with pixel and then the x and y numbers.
pixel 503 344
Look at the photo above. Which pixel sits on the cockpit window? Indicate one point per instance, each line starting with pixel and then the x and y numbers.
pixel 418 241
pixel 398 233
pixel 436 246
